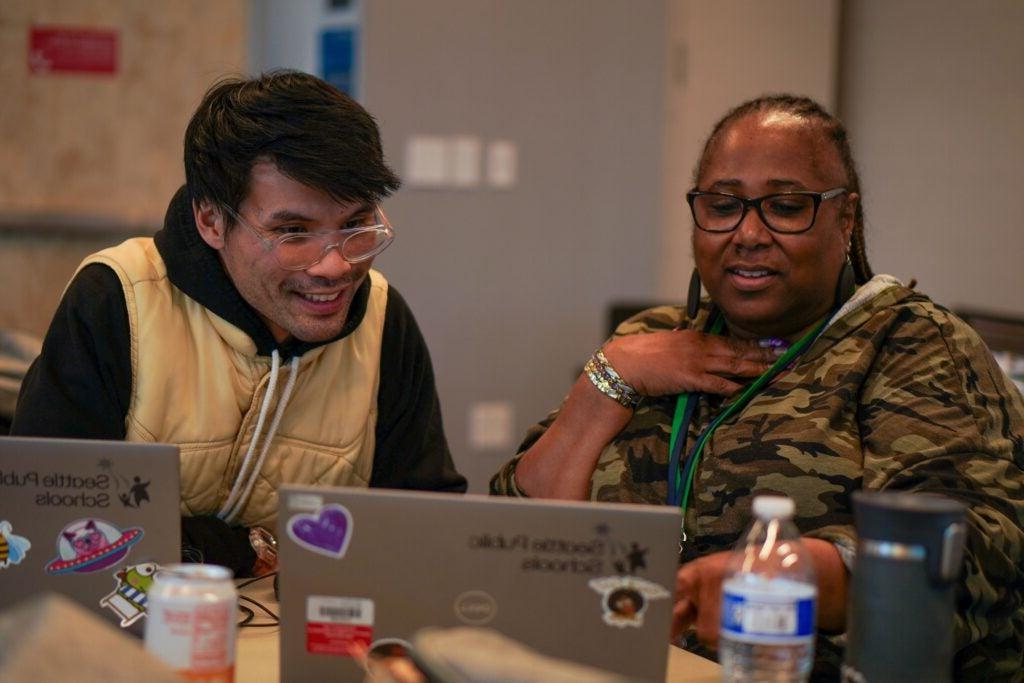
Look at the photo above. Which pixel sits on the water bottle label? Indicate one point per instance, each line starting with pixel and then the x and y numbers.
pixel 784 619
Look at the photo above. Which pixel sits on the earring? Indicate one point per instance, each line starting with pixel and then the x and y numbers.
pixel 693 296
pixel 847 283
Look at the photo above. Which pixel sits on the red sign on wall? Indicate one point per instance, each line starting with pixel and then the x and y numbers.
pixel 53 49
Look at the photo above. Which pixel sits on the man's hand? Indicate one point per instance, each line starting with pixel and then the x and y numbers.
pixel 678 361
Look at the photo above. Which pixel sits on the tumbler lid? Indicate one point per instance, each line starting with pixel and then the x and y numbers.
pixel 903 525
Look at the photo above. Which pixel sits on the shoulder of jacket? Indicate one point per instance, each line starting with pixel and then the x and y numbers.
pixel 654 319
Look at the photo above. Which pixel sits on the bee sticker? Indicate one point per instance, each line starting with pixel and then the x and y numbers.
pixel 13 548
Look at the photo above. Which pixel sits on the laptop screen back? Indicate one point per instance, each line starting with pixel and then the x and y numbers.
pixel 88 519
pixel 585 582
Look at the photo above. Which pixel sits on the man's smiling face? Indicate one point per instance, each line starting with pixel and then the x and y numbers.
pixel 311 304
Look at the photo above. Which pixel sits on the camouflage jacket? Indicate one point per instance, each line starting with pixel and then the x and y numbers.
pixel 896 393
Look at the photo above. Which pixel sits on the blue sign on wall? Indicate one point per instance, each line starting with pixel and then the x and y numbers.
pixel 339 59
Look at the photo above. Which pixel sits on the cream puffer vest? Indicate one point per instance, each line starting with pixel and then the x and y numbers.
pixel 198 383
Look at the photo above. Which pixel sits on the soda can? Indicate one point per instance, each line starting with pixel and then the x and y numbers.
pixel 191 621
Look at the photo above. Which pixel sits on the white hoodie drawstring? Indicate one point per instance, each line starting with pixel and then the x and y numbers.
pixel 255 473
pixel 242 488
pixel 275 364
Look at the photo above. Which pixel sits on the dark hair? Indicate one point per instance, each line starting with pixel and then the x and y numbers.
pixel 634 596
pixel 834 130
pixel 314 133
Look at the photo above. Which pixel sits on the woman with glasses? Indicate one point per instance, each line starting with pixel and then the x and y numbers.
pixel 800 373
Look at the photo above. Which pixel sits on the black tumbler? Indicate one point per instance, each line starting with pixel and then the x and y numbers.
pixel 900 615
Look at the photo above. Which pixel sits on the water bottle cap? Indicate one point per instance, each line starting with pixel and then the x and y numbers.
pixel 770 507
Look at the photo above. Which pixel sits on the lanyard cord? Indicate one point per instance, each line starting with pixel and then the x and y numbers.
pixel 686 406
pixel 679 492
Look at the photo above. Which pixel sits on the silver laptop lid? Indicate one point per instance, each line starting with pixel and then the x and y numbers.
pixel 88 519
pixel 584 582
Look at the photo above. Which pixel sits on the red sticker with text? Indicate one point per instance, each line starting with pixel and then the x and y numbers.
pixel 338 626
pixel 56 49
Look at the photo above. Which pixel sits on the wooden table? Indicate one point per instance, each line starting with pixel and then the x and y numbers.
pixel 258 654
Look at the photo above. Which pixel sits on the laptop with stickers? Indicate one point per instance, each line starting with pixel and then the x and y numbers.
pixel 92 520
pixel 363 570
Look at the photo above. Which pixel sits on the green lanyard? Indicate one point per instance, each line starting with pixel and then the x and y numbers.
pixel 680 491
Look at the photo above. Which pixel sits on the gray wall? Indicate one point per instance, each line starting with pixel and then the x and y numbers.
pixel 933 94
pixel 608 102
pixel 511 286
pixel 721 54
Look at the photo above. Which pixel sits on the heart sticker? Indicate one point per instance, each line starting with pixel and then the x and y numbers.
pixel 327 532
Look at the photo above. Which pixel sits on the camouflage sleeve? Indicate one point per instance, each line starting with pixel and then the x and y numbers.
pixel 503 483
pixel 938 415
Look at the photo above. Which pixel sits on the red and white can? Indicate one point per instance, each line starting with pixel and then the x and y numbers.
pixel 191 621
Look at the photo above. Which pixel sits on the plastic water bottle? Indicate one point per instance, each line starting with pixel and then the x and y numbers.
pixel 769 600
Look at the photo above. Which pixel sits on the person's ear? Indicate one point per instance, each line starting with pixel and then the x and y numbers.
pixel 210 222
pixel 849 215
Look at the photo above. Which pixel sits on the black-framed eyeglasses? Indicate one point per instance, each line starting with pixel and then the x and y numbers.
pixel 368 235
pixel 784 212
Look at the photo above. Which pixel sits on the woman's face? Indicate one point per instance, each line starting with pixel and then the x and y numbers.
pixel 766 283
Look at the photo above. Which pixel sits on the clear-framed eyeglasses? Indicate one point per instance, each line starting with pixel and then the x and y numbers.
pixel 364 236
pixel 785 212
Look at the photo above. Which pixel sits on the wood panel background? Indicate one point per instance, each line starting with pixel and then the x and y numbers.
pixel 86 160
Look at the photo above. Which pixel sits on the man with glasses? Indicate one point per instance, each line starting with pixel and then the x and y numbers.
pixel 251 329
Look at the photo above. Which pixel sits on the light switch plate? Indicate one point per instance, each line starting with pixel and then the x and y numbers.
pixel 490 425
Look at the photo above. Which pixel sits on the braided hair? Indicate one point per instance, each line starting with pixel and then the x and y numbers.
pixel 806 108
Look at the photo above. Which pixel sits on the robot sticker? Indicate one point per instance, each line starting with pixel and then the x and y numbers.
pixel 91 544
pixel 13 548
pixel 128 599
pixel 624 599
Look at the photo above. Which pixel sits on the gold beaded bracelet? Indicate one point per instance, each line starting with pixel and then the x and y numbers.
pixel 603 376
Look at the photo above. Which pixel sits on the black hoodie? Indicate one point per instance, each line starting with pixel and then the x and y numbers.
pixel 79 386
